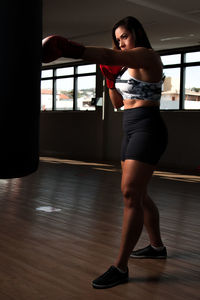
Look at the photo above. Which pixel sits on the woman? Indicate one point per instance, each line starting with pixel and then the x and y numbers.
pixel 133 74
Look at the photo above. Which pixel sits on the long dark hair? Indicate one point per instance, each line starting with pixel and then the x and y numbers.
pixel 133 25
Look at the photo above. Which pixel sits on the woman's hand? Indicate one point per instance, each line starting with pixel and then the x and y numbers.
pixel 110 73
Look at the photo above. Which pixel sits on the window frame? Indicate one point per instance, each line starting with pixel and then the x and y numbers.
pixel 182 65
pixel 75 76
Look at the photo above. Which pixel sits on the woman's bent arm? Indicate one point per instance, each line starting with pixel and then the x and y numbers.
pixel 116 98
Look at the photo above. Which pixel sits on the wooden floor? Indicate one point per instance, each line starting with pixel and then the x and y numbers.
pixel 55 254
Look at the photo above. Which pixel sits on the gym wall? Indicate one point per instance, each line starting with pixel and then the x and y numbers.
pixel 86 136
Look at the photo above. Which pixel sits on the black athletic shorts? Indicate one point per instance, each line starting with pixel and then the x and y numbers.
pixel 145 135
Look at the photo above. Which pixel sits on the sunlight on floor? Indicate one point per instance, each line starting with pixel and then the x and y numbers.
pixel 177 176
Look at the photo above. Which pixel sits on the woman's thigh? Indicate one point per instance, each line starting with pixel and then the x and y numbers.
pixel 136 176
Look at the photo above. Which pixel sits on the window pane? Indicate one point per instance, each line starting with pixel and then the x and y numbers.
pixel 86 69
pixel 47 73
pixel 171 89
pixel 192 88
pixel 46 95
pixel 64 94
pixel 65 71
pixel 193 57
pixel 171 59
pixel 86 91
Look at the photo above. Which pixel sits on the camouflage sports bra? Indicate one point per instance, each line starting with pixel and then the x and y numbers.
pixel 131 88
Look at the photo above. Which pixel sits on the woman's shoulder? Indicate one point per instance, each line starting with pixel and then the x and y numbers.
pixel 151 70
pixel 139 57
pixel 146 53
pixel 150 57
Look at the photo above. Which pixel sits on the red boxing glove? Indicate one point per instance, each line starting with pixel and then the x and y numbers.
pixel 55 46
pixel 110 73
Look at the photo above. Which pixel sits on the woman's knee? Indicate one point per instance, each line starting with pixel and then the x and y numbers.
pixel 133 195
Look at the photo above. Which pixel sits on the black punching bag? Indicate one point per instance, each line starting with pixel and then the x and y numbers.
pixel 20 58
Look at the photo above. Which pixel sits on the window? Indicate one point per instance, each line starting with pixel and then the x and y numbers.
pixel 181 87
pixel 193 57
pixel 170 97
pixel 86 91
pixel 47 73
pixel 192 88
pixel 68 87
pixel 46 95
pixel 86 69
pixel 65 71
pixel 64 94
pixel 171 59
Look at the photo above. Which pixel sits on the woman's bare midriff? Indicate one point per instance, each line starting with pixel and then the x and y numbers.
pixel 134 103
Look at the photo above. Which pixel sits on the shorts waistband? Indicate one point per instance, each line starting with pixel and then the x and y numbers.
pixel 143 108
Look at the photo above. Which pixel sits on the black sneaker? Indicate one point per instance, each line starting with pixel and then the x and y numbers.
pixel 110 278
pixel 149 252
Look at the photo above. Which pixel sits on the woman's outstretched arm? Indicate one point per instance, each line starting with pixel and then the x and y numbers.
pixel 55 46
pixel 135 58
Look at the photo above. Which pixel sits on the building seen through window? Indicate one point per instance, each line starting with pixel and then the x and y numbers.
pixel 171 89
pixel 68 88
pixel 181 87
